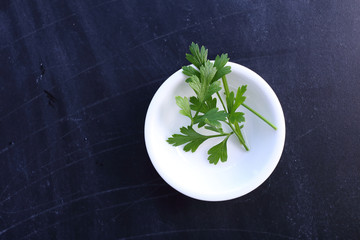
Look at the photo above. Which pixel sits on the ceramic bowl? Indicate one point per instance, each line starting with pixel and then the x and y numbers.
pixel 191 173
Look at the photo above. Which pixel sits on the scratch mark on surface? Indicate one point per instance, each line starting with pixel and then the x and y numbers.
pixel 54 144
pixel 144 199
pixel 78 150
pixel 170 232
pixel 133 203
pixel 211 19
pixel 62 119
pixel 21 106
pixel 137 46
pixel 36 231
pixel 305 134
pixel 67 166
pixel 76 120
pixel 47 26
pixel 37 30
pixel 38 154
pixel 39 205
pixel 83 109
pixel 105 3
pixel 266 55
pixel 51 89
pixel 52 67
pixel 148 184
pixel 4 150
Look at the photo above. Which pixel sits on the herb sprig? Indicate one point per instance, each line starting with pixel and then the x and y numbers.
pixel 202 108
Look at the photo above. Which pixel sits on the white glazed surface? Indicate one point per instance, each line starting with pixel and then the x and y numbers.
pixel 191 173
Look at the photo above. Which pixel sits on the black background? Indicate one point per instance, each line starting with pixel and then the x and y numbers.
pixel 76 78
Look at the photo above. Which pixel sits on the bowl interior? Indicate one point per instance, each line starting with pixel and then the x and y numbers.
pixel 191 173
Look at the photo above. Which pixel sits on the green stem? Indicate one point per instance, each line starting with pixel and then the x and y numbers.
pixel 222 103
pixel 237 128
pixel 220 135
pixel 226 86
pixel 237 133
pixel 196 114
pixel 257 114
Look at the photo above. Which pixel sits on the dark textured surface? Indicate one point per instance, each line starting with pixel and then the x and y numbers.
pixel 76 78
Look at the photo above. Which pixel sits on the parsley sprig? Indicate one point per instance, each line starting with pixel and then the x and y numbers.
pixel 204 78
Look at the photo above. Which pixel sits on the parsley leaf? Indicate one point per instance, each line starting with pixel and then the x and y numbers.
pixel 212 118
pixel 215 129
pixel 195 84
pixel 197 57
pixel 220 63
pixel 189 71
pixel 230 102
pixel 218 152
pixel 240 98
pixel 233 102
pixel 236 117
pixel 207 72
pixel 202 86
pixel 191 137
pixel 196 105
pixel 184 104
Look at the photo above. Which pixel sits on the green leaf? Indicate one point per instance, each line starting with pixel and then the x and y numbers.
pixel 213 88
pixel 193 60
pixel 236 117
pixel 203 87
pixel 198 57
pixel 233 102
pixel 212 128
pixel 207 72
pixel 222 72
pixel 212 118
pixel 218 152
pixel 190 136
pixel 184 104
pixel 220 61
pixel 189 71
pixel 230 101
pixel 197 106
pixel 194 83
pixel 240 98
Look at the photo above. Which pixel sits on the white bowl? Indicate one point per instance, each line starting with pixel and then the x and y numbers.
pixel 191 173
